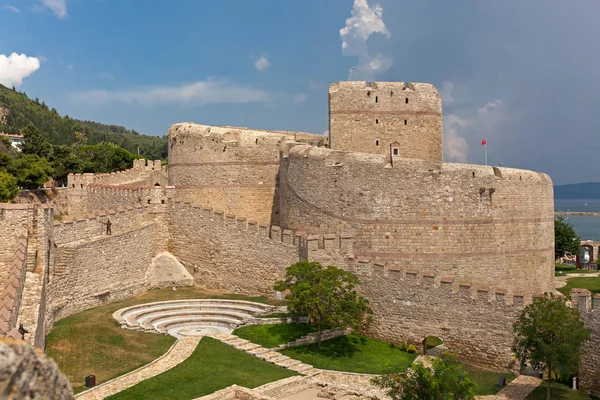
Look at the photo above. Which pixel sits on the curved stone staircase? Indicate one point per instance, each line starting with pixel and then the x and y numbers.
pixel 195 317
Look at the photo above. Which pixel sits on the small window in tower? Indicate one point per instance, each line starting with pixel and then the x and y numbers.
pixel 395 152
pixel 405 122
pixel 407 100
pixel 368 93
pixel 376 99
pixel 391 93
pixel 377 121
pixel 377 142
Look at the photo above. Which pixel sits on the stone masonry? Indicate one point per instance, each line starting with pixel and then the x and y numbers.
pixel 443 249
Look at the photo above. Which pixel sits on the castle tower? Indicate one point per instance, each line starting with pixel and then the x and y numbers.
pixel 369 117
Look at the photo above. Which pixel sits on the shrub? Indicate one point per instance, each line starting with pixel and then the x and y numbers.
pixel 403 347
pixel 411 349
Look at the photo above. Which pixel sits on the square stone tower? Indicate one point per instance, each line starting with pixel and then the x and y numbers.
pixel 386 117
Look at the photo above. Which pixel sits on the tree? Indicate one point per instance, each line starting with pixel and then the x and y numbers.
pixel 34 142
pixel 8 187
pixel 30 170
pixel 327 295
pixel 444 380
pixel 549 333
pixel 566 241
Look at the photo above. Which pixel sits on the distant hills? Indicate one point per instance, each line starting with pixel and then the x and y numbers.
pixel 17 110
pixel 589 190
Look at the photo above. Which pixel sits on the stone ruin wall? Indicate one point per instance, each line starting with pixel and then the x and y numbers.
pixel 369 116
pixel 232 169
pixel 492 225
pixel 589 372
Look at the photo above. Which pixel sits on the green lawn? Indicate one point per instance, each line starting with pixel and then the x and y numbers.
pixel 212 366
pixel 92 342
pixel 592 284
pixel 559 392
pixel 352 353
pixel 273 335
pixel 565 269
pixel 487 381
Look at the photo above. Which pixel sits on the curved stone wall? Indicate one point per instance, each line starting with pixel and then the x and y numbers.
pixel 371 116
pixel 230 169
pixel 490 225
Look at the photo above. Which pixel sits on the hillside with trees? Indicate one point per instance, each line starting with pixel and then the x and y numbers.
pixel 17 111
pixel 588 190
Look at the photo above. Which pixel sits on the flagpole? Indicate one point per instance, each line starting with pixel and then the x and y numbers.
pixel 485 147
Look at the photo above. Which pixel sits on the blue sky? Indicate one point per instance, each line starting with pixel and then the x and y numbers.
pixel 523 74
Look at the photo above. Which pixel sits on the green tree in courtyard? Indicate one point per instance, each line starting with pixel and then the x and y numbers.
pixel 549 333
pixel 34 142
pixel 566 241
pixel 327 295
pixel 444 380
pixel 8 187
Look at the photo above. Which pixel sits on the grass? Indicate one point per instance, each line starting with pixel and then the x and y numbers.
pixel 558 392
pixel 433 341
pixel 592 284
pixel 92 342
pixel 487 381
pixel 352 353
pixel 565 269
pixel 212 366
pixel 273 335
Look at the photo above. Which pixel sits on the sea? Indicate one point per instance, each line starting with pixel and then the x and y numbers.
pixel 587 228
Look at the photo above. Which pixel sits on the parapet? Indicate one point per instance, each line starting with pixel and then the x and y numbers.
pixel 10 295
pixel 399 87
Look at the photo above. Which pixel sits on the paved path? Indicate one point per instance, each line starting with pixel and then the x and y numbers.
pixel 518 389
pixel 181 350
pixel 265 354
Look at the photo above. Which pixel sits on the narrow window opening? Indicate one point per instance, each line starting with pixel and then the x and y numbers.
pixel 376 99
pixel 377 142
pixel 395 152
pixel 391 93
pixel 368 93
pixel 82 185
pixel 148 201
pixel 473 174
pixel 377 121
pixel 405 122
pixel 73 186
pixel 162 202
pixel 407 100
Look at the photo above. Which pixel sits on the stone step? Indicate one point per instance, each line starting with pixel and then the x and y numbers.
pixel 224 336
pixel 269 356
pixel 278 360
pixel 301 368
pixel 238 343
pixel 249 346
pixel 289 363
pixel 310 371
pixel 258 351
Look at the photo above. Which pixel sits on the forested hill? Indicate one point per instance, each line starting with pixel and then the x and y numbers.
pixel 17 110
pixel 589 190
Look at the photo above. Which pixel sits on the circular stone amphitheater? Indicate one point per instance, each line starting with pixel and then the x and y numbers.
pixel 195 317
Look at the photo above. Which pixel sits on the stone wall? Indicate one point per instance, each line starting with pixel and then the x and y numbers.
pixel 14 219
pixel 492 225
pixel 102 269
pixel 11 286
pixel 229 254
pixel 228 168
pixel 589 372
pixel 370 117
pixel 122 218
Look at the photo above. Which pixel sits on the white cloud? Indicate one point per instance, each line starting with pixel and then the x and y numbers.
pixel 11 8
pixel 300 98
pixel 16 67
pixel 70 67
pixel 325 133
pixel 365 21
pixel 262 64
pixel 460 132
pixel 447 92
pixel 106 75
pixel 210 91
pixel 58 7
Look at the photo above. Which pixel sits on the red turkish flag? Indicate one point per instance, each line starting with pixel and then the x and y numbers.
pixel 484 142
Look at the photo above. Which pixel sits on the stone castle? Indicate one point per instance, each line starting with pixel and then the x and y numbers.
pixel 441 249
